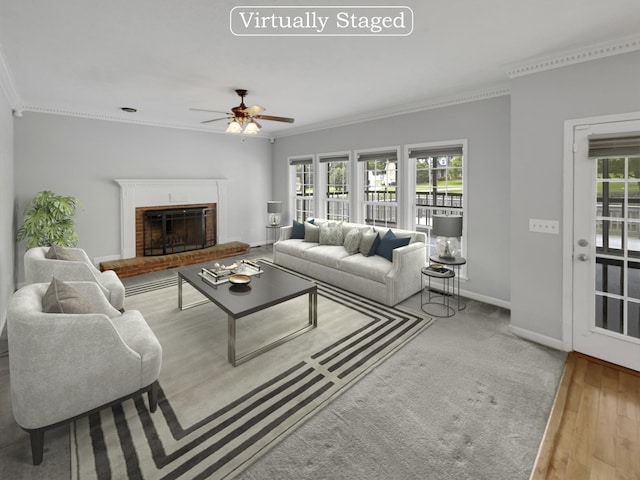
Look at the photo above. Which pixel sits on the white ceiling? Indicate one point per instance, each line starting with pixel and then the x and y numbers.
pixel 91 57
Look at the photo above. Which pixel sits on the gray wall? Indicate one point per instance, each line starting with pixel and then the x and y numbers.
pixel 81 157
pixel 540 103
pixel 485 124
pixel 6 207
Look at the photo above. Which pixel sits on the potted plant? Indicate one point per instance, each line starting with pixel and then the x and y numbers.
pixel 48 220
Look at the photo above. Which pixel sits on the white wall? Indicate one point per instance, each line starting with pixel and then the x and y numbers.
pixel 82 157
pixel 540 103
pixel 7 203
pixel 485 124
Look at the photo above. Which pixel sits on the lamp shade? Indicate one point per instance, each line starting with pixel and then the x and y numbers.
pixel 274 207
pixel 447 226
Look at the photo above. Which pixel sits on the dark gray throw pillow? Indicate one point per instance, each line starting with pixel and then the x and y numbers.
pixel 63 298
pixel 56 252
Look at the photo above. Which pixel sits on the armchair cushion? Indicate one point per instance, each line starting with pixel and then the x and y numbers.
pixel 62 298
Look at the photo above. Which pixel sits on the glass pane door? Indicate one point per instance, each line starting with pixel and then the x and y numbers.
pixel 617 289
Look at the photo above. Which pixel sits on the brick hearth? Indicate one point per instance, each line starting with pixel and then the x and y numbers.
pixel 130 267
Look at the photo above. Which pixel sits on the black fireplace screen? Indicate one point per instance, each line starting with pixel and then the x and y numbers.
pixel 178 230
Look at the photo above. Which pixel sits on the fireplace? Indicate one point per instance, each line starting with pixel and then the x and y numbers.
pixel 139 195
pixel 176 230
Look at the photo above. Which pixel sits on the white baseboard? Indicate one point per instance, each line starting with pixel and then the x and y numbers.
pixel 538 338
pixel 486 299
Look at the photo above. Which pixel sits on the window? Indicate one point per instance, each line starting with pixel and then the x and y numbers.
pixel 380 181
pixel 439 184
pixel 303 188
pixel 336 169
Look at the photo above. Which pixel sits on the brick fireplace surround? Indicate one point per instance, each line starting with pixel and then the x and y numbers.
pixel 138 195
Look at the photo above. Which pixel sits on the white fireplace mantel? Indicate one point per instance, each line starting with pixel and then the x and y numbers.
pixel 141 192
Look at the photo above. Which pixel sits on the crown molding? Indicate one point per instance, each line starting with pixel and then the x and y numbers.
pixel 431 104
pixel 7 85
pixel 122 119
pixel 563 59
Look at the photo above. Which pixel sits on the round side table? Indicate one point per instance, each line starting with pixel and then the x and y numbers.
pixel 455 263
pixel 437 304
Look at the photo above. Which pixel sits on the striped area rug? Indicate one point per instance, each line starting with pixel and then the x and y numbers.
pixel 213 419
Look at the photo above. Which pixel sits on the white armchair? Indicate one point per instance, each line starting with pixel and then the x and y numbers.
pixel 38 268
pixel 64 366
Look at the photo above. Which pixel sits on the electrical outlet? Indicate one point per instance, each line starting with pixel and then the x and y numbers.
pixel 544 226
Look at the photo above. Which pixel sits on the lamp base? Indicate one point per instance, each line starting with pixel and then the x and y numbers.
pixel 447 247
pixel 274 219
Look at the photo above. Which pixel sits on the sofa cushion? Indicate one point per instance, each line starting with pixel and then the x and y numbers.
pixel 311 232
pixel 369 243
pixel 56 252
pixel 327 255
pixel 330 233
pixel 297 230
pixel 390 242
pixel 373 268
pixel 62 298
pixel 294 247
pixel 352 241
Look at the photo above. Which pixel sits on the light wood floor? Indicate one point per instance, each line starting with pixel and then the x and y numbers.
pixel 594 428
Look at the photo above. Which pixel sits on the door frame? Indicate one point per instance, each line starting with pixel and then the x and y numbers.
pixel 568 211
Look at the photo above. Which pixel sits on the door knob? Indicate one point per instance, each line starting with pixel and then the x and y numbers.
pixel 583 257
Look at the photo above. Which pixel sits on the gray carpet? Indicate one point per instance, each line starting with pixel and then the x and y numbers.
pixel 464 400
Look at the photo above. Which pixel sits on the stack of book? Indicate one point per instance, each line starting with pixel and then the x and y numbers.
pixel 438 270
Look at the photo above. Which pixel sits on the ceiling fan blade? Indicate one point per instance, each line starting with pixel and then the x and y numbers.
pixel 215 120
pixel 276 119
pixel 253 110
pixel 203 110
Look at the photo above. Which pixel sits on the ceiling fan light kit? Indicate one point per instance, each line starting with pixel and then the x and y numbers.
pixel 243 118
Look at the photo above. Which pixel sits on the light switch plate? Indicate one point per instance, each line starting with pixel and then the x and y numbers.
pixel 544 226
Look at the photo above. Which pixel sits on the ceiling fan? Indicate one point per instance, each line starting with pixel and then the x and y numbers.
pixel 243 118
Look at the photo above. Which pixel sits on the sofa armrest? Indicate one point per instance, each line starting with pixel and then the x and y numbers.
pixel 409 258
pixel 285 233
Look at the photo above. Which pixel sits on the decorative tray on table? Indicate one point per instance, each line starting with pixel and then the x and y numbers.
pixel 236 273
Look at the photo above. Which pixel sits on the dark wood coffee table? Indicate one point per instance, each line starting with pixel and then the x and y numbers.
pixel 268 288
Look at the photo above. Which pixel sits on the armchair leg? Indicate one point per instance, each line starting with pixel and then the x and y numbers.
pixel 37 445
pixel 153 397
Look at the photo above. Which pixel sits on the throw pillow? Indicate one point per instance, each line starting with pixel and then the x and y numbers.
pixel 56 252
pixel 352 241
pixel 298 230
pixel 369 243
pixel 311 233
pixel 330 233
pixel 63 298
pixel 390 242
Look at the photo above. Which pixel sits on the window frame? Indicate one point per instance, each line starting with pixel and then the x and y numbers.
pixel 293 162
pixel 361 203
pixel 324 159
pixel 411 193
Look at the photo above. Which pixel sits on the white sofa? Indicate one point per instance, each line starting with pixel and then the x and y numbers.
pixel 373 277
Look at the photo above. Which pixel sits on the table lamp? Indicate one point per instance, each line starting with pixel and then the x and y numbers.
pixel 274 209
pixel 447 229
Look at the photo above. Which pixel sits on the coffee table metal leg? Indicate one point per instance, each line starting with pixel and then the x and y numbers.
pixel 231 347
pixel 236 360
pixel 181 306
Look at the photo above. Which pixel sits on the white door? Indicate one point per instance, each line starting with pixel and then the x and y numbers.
pixel 606 242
